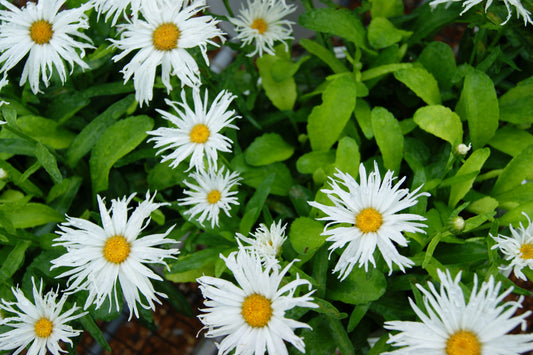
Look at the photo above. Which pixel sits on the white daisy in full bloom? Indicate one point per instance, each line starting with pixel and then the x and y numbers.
pixel 169 28
pixel 99 258
pixel 370 209
pixel 211 193
pixel 43 323
pixel 197 132
pixel 251 315
pixel 468 4
pixel 267 243
pixel 46 35
pixel 453 326
pixel 518 248
pixel 262 22
pixel 116 8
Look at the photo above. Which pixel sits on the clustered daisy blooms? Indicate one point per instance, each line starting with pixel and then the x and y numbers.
pixel 100 257
pixel 41 323
pixel 370 209
pixel 468 4
pixel 452 325
pixel 197 132
pixel 46 35
pixel 518 248
pixel 262 22
pixel 251 316
pixel 161 38
pixel 211 192
pixel 267 243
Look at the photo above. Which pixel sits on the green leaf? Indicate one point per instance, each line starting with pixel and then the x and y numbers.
pixel 338 100
pixel 88 136
pixel 30 215
pixel 255 204
pixel 520 194
pixel 438 58
pixel 45 131
pixel 339 22
pixel 355 317
pixel 324 54
pixel 348 157
pixel 267 149
pixel 305 237
pixel 441 122
pixel 474 163
pixel 162 176
pixel 421 82
pixel 518 169
pixel 310 162
pixel 193 262
pixel 90 325
pixel 319 340
pixel 516 105
pixel 15 176
pixel 341 337
pixel 389 138
pixel 382 33
pixel 17 147
pixel 117 141
pixel 511 140
pixel 326 308
pixel 516 216
pixel 376 72
pixel 14 260
pixel 386 8
pixel 364 118
pixel 478 104
pixel 49 163
pixel 359 287
pixel 282 93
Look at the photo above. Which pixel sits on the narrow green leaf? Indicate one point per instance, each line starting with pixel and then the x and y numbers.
pixel 17 146
pixel 341 337
pixel 14 260
pixel 474 163
pixel 90 325
pixel 384 69
pixel 30 215
pixel 441 122
pixel 421 82
pixel 516 105
pixel 357 314
pixel 382 33
pixel 15 176
pixel 255 204
pixel 364 118
pixel 519 194
pixel 348 157
pixel 49 163
pixel 518 169
pixel 45 131
pixel 117 141
pixel 389 138
pixel 324 54
pixel 478 104
pixel 516 216
pixel 511 140
pixel 327 309
pixel 267 149
pixel 338 100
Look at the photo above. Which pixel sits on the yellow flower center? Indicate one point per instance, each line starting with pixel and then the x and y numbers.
pixel 260 25
pixel 199 133
pixel 256 310
pixel 213 197
pixel 527 251
pixel 41 32
pixel 166 36
pixel 368 220
pixel 116 249
pixel 463 343
pixel 43 328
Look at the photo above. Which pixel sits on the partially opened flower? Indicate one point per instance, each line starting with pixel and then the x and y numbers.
pixel 365 216
pixel 169 28
pixel 48 36
pixel 452 325
pixel 211 192
pixel 99 258
pixel 267 243
pixel 262 22
pixel 197 130
pixel 518 248
pixel 468 4
pixel 41 323
pixel 251 315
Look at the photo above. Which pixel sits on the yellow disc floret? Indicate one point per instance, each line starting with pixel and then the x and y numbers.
pixel 260 25
pixel 463 343
pixel 43 328
pixel 165 37
pixel 199 133
pixel 527 251
pixel 116 249
pixel 213 197
pixel 368 220
pixel 256 310
pixel 41 32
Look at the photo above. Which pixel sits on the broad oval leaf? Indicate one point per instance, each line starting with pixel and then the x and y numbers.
pixel 382 33
pixel 389 138
pixel 516 105
pixel 305 237
pixel 421 82
pixel 267 149
pixel 359 287
pixel 518 169
pixel 441 122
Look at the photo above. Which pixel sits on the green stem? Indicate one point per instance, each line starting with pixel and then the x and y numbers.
pixel 228 8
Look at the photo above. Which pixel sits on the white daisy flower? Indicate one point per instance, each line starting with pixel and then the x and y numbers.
pixel 267 243
pixel 262 22
pixel 116 8
pixel 370 209
pixel 197 133
pixel 518 248
pixel 468 4
pixel 251 315
pixel 211 193
pixel 41 323
pixel 168 29
pixel 101 257
pixel 453 326
pixel 47 35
